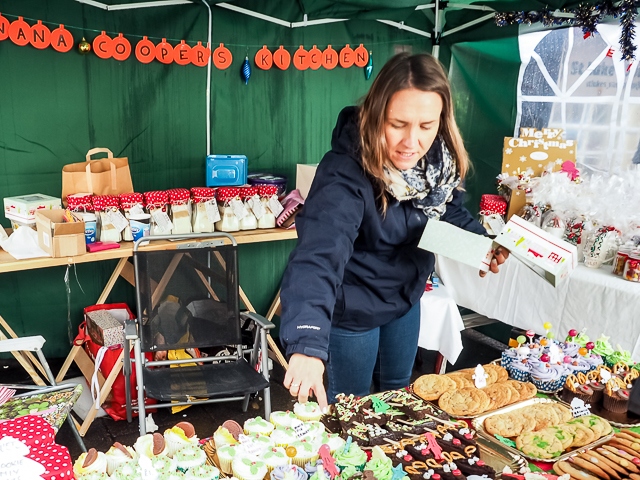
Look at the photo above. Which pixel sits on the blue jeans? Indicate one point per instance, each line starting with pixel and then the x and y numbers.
pixel 384 356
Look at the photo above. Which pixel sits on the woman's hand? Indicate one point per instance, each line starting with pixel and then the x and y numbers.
pixel 304 378
pixel 500 256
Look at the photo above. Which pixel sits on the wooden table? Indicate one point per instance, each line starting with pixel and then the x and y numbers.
pixel 124 269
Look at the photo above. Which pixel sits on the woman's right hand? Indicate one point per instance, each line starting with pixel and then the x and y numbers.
pixel 304 379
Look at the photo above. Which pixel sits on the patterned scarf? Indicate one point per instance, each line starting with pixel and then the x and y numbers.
pixel 430 184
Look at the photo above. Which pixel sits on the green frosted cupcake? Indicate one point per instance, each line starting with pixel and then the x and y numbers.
pixel 190 457
pixel 351 455
pixel 380 464
pixel 203 472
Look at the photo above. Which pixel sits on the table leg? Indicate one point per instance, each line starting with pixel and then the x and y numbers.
pixel 30 356
pixel 112 280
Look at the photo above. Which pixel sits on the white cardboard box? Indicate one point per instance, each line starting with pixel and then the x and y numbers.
pixel 547 255
pixel 24 207
pixel 304 177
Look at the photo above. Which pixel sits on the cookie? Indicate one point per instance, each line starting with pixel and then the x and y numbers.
pixel 526 390
pixel 633 445
pixel 564 433
pixel 592 422
pixel 544 415
pixel 509 425
pixel 503 375
pixel 583 435
pixel 462 380
pixel 630 432
pixel 567 468
pixel 564 413
pixel 633 442
pixel 499 395
pixel 464 402
pixel 611 468
pixel 542 444
pixel 590 467
pixel 620 449
pixel 430 387
pixel 621 458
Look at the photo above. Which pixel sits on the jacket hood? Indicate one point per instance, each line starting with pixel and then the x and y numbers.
pixel 346 134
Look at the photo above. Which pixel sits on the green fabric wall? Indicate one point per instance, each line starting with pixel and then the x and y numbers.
pixel 54 107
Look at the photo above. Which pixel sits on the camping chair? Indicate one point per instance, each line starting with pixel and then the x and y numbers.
pixel 53 403
pixel 187 297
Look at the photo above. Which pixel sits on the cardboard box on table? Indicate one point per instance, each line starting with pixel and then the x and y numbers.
pixel 535 150
pixel 59 238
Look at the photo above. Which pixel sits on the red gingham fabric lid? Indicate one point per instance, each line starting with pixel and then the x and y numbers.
pixel 203 194
pixel 267 190
pixel 227 193
pixel 493 204
pixel 128 200
pixel 247 192
pixel 178 196
pixel 103 202
pixel 156 198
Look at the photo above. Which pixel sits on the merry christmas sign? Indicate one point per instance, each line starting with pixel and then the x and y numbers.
pixel 536 149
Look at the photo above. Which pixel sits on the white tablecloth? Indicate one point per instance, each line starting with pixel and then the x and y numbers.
pixel 440 324
pixel 594 299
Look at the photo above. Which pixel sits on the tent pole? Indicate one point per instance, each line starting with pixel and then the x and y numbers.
pixel 207 94
pixel 437 30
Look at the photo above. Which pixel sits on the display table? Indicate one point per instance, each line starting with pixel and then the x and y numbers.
pixel 124 268
pixel 591 299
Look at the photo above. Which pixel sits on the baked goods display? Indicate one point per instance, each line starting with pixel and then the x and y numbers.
pixel 544 429
pixel 615 460
pixel 456 392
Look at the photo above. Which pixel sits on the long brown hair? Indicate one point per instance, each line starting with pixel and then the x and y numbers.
pixel 422 72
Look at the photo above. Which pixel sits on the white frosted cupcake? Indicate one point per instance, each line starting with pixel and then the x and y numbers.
pixel 226 455
pixel 151 445
pixel 179 436
pixel 315 429
pixel 305 452
pixel 171 476
pixel 126 471
pixel 334 441
pixel 283 436
pixel 275 457
pixel 119 454
pixel 163 464
pixel 222 437
pixel 94 476
pixel 281 418
pixel 249 469
pixel 190 457
pixel 203 472
pixel 307 411
pixel 91 461
pixel 258 426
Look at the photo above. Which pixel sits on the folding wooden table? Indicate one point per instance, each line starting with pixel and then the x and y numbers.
pixel 124 269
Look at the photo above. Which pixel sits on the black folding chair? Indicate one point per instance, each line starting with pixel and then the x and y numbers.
pixel 187 296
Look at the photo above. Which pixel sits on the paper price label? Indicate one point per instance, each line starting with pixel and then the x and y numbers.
pixel 257 208
pixel 213 214
pixel 136 210
pixel 252 448
pixel 162 220
pixel 495 223
pixel 146 469
pixel 300 429
pixel 117 219
pixel 238 208
pixel 275 206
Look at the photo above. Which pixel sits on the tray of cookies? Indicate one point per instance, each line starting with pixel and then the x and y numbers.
pixel 614 460
pixel 542 429
pixel 456 392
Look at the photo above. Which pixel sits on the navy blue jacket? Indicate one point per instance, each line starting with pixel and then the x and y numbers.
pixel 352 267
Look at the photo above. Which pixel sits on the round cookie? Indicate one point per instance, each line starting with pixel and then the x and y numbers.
pixel 542 444
pixel 526 390
pixel 431 387
pixel 462 380
pixel 508 425
pixel 584 435
pixel 503 375
pixel 543 414
pixel 498 395
pixel 597 424
pixel 564 413
pixel 564 433
pixel 464 402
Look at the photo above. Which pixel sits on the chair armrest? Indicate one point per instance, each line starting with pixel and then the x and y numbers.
pixel 259 320
pixel 130 330
pixel 30 344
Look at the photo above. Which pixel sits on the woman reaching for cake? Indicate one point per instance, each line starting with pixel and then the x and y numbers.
pixel 351 291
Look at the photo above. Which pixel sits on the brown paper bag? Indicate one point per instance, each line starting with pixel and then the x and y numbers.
pixel 104 176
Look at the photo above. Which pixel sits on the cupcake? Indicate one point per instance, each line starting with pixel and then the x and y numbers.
pixel 170 476
pixel 126 471
pixel 597 387
pixel 307 411
pixel 163 464
pixel 602 346
pixel 575 387
pixel 91 461
pixel 315 429
pixel 312 467
pixel 203 472
pixel 182 435
pixel 226 455
pixel 256 444
pixel 616 396
pixel 305 452
pixel 151 445
pixel 249 469
pixel 222 437
pixel 580 365
pixel 520 370
pixel 548 378
pixel 283 436
pixel 258 426
pixel 351 455
pixel 94 476
pixel 334 441
pixel 380 464
pixel 190 457
pixel 282 419
pixel 570 349
pixel 288 472
pixel 508 357
pixel 593 360
pixel 275 457
pixel 618 356
pixel 119 454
